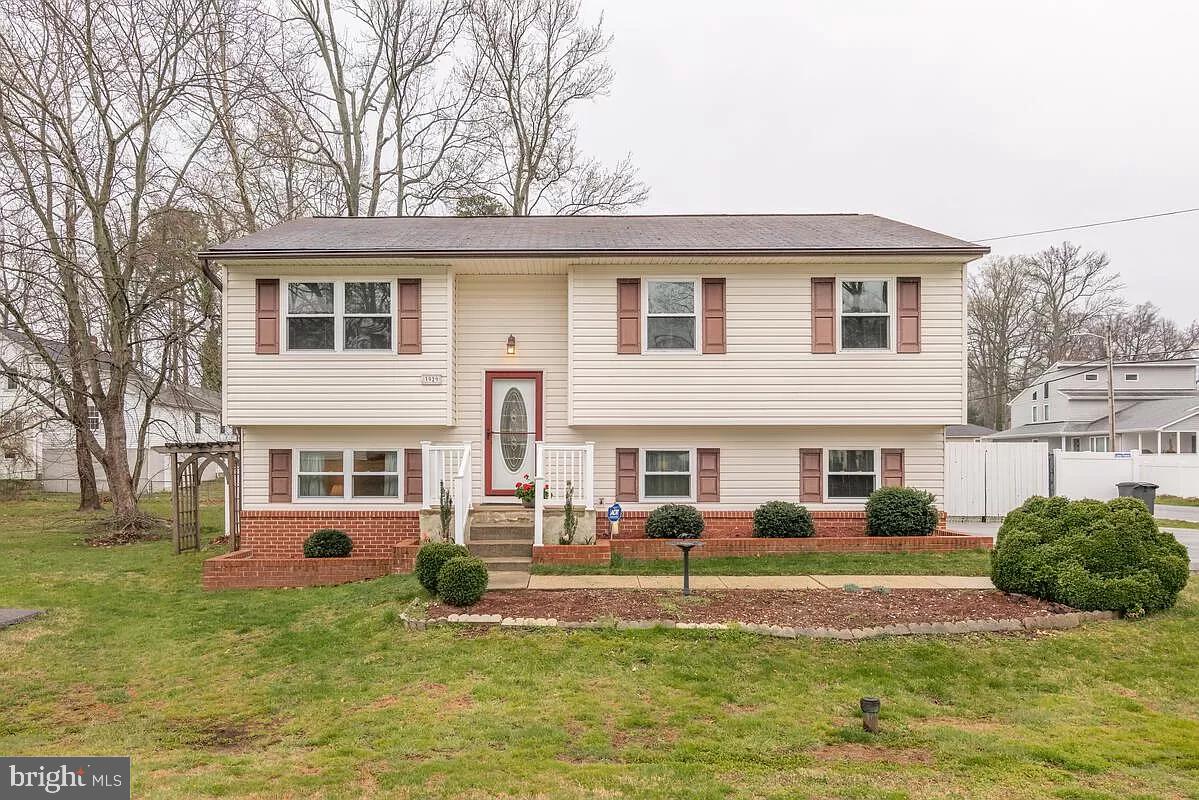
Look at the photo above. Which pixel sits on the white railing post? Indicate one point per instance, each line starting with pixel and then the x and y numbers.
pixel 462 499
pixel 589 475
pixel 538 490
pixel 428 477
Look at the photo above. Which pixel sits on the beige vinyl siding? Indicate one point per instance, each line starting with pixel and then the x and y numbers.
pixel 756 464
pixel 339 388
pixel 769 376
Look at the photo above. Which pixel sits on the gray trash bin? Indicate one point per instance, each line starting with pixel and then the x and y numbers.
pixel 1146 492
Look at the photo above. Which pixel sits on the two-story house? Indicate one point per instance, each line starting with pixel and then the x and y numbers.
pixel 1157 407
pixel 721 361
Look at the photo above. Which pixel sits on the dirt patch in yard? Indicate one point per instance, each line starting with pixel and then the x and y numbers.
pixel 850 751
pixel 818 608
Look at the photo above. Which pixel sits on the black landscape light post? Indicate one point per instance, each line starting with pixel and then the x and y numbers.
pixel 870 707
pixel 687 545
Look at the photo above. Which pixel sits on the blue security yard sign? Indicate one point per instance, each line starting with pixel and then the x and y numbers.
pixel 615 512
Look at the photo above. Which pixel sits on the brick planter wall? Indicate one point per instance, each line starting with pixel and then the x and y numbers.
pixel 644 549
pixel 403 559
pixel 736 524
pixel 281 534
pixel 592 554
pixel 244 569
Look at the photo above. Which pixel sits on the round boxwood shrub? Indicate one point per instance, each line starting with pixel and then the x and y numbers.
pixel 1089 554
pixel 462 580
pixel 779 519
pixel 327 543
pixel 674 521
pixel 900 511
pixel 430 559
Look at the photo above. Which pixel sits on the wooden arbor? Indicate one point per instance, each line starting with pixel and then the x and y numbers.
pixel 188 462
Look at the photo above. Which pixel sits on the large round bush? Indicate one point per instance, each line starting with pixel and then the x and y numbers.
pixel 1090 555
pixel 327 543
pixel 900 511
pixel 674 521
pixel 430 559
pixel 779 519
pixel 462 580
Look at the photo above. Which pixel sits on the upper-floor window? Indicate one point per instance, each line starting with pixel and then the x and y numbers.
pixel 851 474
pixel 1131 376
pixel 1034 413
pixel 197 422
pixel 865 314
pixel 93 419
pixel 670 314
pixel 1045 412
pixel 1091 376
pixel 12 382
pixel 1034 394
pixel 339 315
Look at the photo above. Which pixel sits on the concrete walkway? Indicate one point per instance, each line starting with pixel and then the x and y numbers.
pixel 756 582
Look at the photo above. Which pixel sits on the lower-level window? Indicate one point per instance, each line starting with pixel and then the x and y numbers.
pixel 321 473
pixel 376 473
pixel 667 475
pixel 852 474
pixel 366 473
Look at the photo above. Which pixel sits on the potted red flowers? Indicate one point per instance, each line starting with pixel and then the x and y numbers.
pixel 525 490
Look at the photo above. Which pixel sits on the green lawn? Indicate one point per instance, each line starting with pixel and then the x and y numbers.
pixel 1177 523
pixel 317 693
pixel 1175 500
pixel 961 562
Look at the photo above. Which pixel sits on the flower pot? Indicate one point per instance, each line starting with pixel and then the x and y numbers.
pixel 527 502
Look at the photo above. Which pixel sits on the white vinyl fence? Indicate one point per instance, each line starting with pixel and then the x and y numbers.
pixel 1095 475
pixel 989 479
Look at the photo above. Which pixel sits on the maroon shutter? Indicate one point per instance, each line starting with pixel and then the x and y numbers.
pixel 811 475
pixel 714 316
pixel 628 315
pixel 408 316
pixel 279 489
pixel 707 475
pixel 908 305
pixel 413 476
pixel 824 312
pixel 266 312
pixel 892 467
pixel 627 490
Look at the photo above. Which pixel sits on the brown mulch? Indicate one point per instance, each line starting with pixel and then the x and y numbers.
pixel 817 608
pixel 121 537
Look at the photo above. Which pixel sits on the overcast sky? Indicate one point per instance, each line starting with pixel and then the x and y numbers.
pixel 972 119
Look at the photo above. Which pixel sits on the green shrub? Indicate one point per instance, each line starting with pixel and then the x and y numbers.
pixel 327 543
pixel 674 521
pixel 900 511
pixel 462 580
pixel 779 519
pixel 1090 555
pixel 430 559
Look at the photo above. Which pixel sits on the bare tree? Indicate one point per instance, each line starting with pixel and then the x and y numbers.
pixel 541 60
pixel 1073 290
pixel 1141 333
pixel 1003 334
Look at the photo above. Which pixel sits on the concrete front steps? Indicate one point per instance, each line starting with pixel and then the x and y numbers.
pixel 502 535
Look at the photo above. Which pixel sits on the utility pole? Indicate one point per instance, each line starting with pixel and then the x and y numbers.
pixel 1111 392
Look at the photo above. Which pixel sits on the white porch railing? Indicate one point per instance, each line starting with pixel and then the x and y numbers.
pixel 448 464
pixel 557 465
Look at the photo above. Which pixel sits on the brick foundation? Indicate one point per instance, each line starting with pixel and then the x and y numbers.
pixel 599 554
pixel 739 524
pixel 281 534
pixel 244 569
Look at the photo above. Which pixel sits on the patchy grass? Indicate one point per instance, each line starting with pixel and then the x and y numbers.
pixel 1176 523
pixel 316 693
pixel 958 562
pixel 1175 500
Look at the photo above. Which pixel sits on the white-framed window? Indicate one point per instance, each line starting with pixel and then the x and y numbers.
pixel 671 311
pixel 850 474
pixel 325 315
pixel 1034 394
pixel 1045 412
pixel 93 418
pixel 1034 413
pixel 1098 444
pixel 320 474
pixel 667 474
pixel 13 383
pixel 347 474
pixel 1132 376
pixel 197 422
pixel 1091 376
pixel 376 473
pixel 864 311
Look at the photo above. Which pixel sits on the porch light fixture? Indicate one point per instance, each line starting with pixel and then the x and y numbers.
pixel 511 345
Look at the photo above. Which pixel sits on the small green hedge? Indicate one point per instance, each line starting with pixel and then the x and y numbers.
pixel 674 521
pixel 430 559
pixel 327 543
pixel 900 511
pixel 779 519
pixel 1090 555
pixel 462 580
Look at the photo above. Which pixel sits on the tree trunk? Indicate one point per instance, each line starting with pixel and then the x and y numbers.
pixel 89 495
pixel 116 467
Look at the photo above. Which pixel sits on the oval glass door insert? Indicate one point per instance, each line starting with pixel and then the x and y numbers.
pixel 514 426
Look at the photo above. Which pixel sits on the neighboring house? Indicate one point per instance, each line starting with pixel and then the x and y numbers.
pixel 1157 408
pixel 721 361
pixel 967 433
pixel 46 446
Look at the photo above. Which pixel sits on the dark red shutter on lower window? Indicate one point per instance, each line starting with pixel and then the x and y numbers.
pixel 707 475
pixel 414 476
pixel 715 323
pixel 907 338
pixel 266 316
pixel 824 313
pixel 628 316
pixel 627 490
pixel 811 475
pixel 893 467
pixel 408 316
pixel 279 488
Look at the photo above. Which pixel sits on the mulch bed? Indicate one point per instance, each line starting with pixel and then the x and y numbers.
pixel 808 607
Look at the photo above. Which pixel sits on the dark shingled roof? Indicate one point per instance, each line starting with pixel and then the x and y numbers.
pixel 764 234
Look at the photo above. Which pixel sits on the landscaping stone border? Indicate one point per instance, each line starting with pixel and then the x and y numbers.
pixel 1065 621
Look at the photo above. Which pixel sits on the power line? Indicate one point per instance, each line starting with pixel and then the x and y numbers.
pixel 1089 364
pixel 1089 225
